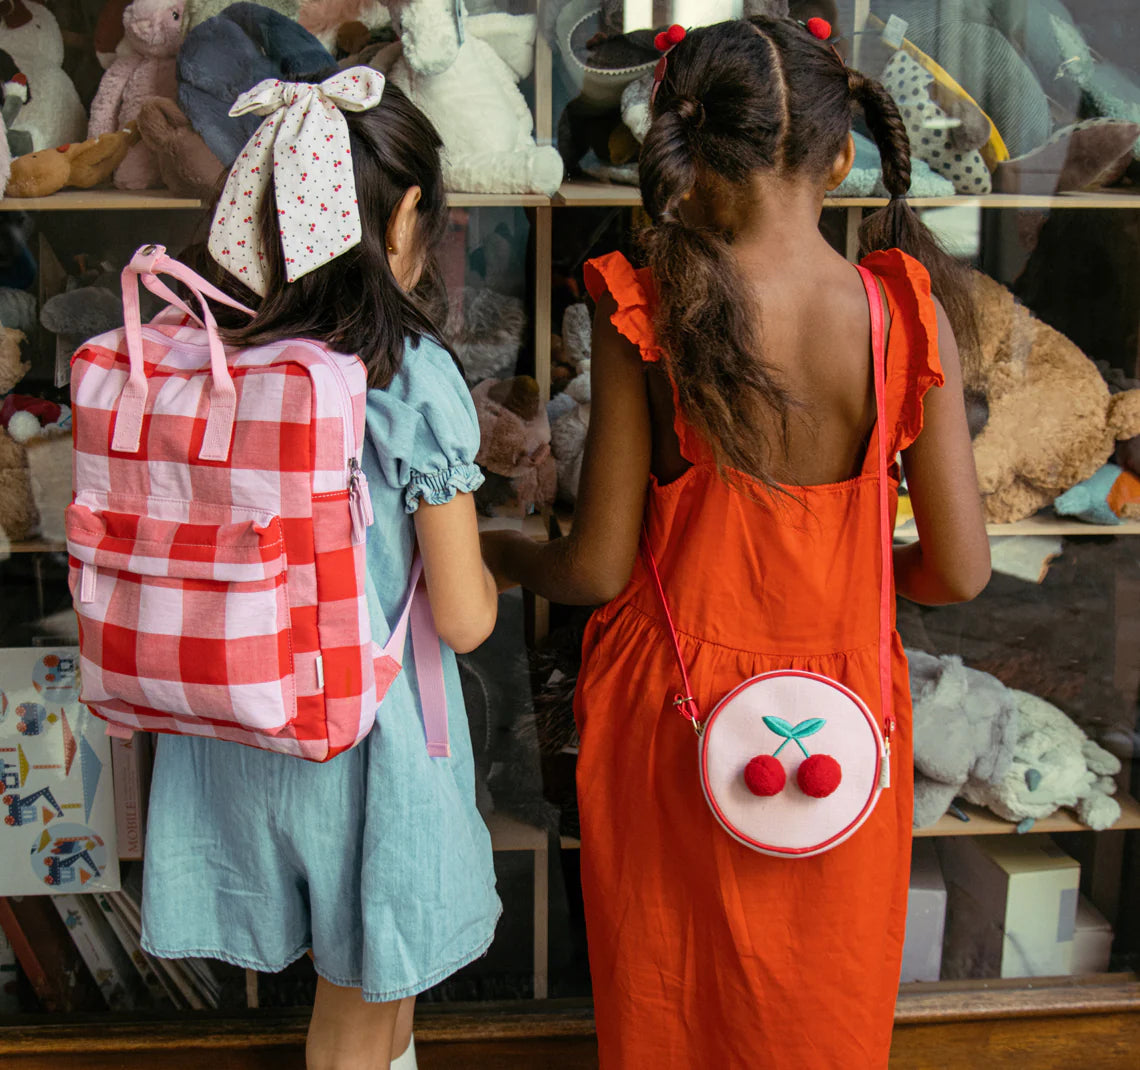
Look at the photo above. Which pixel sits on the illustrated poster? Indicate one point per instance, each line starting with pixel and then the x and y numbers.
pixel 58 833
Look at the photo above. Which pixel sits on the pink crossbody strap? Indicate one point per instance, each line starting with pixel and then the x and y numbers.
pixel 147 263
pixel 685 702
pixel 416 614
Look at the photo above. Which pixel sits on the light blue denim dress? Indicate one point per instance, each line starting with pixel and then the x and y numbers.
pixel 377 859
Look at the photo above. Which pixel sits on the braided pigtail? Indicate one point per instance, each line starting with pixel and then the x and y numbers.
pixel 897 226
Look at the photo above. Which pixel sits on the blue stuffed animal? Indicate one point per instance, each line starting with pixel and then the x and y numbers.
pixel 230 53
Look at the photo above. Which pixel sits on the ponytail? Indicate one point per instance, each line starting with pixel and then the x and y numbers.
pixel 703 317
pixel 897 226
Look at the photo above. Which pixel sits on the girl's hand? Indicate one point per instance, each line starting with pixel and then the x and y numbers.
pixel 464 601
pixel 497 547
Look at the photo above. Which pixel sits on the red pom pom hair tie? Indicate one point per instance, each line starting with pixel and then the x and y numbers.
pixel 818 27
pixel 665 42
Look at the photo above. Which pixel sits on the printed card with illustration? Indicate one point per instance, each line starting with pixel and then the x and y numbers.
pixel 58 833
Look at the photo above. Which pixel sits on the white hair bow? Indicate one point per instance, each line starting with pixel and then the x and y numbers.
pixel 304 144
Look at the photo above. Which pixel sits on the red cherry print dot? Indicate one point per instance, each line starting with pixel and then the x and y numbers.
pixel 312 227
pixel 765 776
pixel 819 775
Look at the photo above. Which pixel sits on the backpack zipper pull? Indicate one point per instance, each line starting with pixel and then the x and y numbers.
pixel 359 502
pixel 885 767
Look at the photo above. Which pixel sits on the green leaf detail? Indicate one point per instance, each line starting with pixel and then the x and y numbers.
pixel 780 727
pixel 808 728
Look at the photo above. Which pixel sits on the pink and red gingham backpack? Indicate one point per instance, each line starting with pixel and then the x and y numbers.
pixel 216 538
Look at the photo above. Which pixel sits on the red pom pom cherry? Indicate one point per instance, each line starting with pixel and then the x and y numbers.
pixel 661 41
pixel 675 34
pixel 820 28
pixel 765 776
pixel 819 775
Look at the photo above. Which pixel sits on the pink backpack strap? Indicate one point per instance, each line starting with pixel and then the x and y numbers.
pixel 429 660
pixel 147 263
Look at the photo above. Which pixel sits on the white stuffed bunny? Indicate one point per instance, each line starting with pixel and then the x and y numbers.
pixel 462 72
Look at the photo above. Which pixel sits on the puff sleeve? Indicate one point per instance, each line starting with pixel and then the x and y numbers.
pixel 424 429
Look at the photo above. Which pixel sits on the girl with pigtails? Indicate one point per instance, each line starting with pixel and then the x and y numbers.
pixel 738 422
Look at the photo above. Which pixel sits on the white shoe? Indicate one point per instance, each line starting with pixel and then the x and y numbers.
pixel 407 1061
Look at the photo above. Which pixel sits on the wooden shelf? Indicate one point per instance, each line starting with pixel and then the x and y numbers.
pixel 93 200
pixel 601 194
pixel 1044 523
pixel 37 546
pixel 983 823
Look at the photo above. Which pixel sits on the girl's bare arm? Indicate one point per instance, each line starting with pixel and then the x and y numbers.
pixel 464 600
pixel 594 562
pixel 951 560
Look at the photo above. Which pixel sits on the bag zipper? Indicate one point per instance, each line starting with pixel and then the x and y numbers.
pixel 359 498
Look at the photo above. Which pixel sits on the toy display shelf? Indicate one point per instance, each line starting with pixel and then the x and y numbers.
pixel 94 200
pixel 571 195
pixel 602 194
pixel 1044 523
pixel 983 823
pixel 1041 524
pixel 539 526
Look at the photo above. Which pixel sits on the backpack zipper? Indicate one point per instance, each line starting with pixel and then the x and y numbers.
pixel 359 498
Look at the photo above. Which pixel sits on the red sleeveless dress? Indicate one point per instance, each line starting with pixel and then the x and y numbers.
pixel 705 955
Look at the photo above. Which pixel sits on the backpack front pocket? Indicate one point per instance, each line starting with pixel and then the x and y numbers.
pixel 185 620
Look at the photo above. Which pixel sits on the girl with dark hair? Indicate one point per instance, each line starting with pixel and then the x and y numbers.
pixel 735 416
pixel 375 862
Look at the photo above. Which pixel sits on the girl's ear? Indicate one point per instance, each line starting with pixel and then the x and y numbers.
pixel 403 256
pixel 841 168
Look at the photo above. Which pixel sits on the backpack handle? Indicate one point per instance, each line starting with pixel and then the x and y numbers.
pixel 147 264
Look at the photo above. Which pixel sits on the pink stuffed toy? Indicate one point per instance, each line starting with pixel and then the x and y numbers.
pixel 153 28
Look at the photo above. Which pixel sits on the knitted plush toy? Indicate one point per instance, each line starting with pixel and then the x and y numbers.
pixel 53 113
pixel 462 73
pixel 153 29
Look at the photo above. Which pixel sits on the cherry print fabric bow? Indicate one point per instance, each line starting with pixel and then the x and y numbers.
pixel 303 144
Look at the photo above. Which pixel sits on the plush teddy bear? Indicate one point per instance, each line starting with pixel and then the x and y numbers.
pixel 1054 764
pixel 569 411
pixel 462 72
pixel 53 113
pixel 514 449
pixel 153 29
pixel 82 165
pixel 965 731
pixel 1052 421
pixel 18 517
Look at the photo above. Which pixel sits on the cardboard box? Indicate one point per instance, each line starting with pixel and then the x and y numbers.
pixel 1011 907
pixel 1092 942
pixel 925 916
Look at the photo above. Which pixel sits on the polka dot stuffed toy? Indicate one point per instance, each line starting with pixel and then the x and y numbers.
pixel 935 137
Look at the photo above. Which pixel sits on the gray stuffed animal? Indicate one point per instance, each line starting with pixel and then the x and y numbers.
pixel 965 731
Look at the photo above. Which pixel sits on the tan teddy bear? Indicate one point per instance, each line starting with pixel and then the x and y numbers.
pixel 18 517
pixel 1052 422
